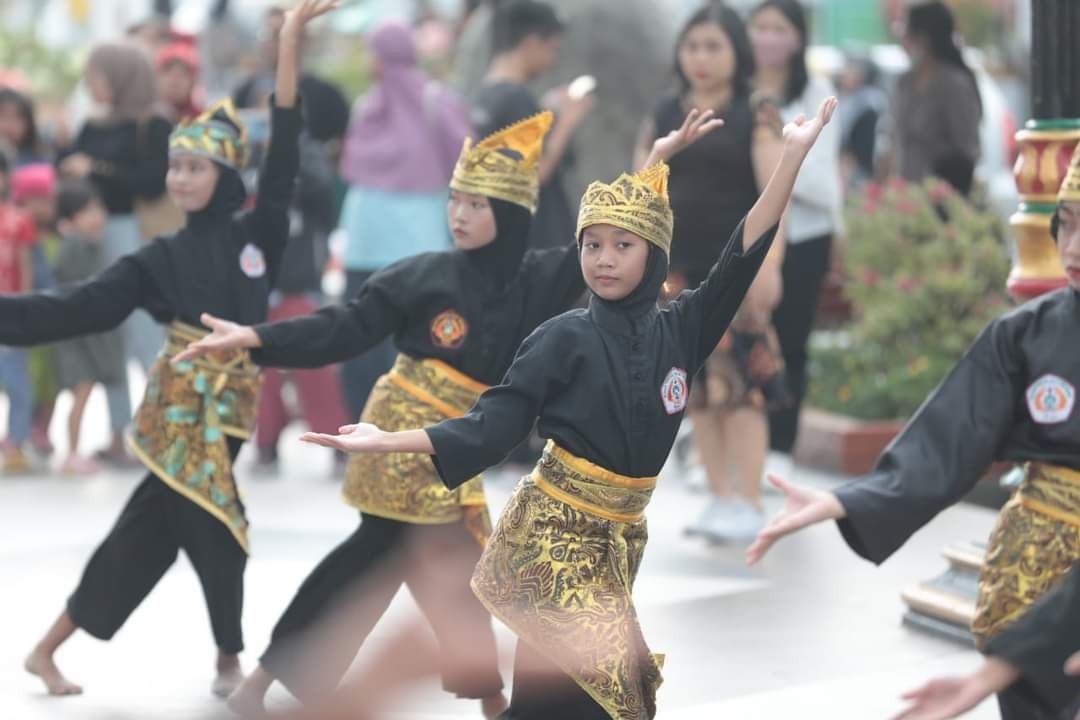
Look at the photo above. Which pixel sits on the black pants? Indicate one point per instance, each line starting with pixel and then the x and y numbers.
pixel 155 524
pixel 805 266
pixel 343 598
pixel 358 375
pixel 542 691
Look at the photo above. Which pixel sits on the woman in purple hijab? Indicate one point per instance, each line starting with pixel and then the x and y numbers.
pixel 400 149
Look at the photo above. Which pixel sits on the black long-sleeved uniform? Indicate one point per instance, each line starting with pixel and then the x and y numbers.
pixel 180 277
pixel 980 413
pixel 405 299
pixel 199 269
pixel 596 378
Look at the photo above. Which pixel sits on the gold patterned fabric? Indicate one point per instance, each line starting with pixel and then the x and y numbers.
pixel 636 203
pixel 1034 545
pixel 217 134
pixel 505 164
pixel 559 571
pixel 1070 188
pixel 181 427
pixel 406 486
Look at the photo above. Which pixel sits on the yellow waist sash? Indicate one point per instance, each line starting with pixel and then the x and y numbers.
pixel 1034 544
pixel 414 394
pixel 188 411
pixel 559 571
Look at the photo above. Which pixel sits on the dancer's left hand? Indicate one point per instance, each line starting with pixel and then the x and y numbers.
pixel 304 13
pixel 800 134
pixel 946 698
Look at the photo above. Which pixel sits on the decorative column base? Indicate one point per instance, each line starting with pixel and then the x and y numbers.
pixel 945 606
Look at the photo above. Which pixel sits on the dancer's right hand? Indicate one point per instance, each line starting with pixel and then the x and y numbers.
pixel 224 335
pixel 804 507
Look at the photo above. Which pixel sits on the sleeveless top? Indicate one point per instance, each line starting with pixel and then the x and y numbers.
pixel 712 185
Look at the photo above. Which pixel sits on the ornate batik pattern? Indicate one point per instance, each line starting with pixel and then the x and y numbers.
pixel 1034 545
pixel 559 571
pixel 406 486
pixel 187 413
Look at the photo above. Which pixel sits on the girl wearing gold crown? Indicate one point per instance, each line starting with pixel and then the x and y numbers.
pixel 195 416
pixel 456 317
pixel 1011 398
pixel 607 387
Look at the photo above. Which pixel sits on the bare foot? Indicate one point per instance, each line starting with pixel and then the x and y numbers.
pixel 493 706
pixel 227 681
pixel 42 665
pixel 247 700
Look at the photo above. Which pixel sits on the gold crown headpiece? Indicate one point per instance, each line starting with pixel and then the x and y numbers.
pixel 218 134
pixel 1070 188
pixel 636 203
pixel 504 165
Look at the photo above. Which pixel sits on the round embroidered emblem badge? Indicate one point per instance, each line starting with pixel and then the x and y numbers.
pixel 1051 399
pixel 448 330
pixel 674 391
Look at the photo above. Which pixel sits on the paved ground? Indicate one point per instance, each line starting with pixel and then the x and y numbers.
pixel 814 633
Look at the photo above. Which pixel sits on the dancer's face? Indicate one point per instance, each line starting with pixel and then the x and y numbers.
pixel 1068 240
pixel 471 220
pixel 191 181
pixel 707 57
pixel 613 261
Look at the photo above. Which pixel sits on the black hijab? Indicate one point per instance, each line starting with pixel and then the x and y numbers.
pixel 500 260
pixel 642 300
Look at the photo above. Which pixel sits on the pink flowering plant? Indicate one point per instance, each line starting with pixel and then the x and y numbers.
pixel 926 272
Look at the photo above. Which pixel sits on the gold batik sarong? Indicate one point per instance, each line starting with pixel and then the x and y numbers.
pixel 406 486
pixel 188 411
pixel 559 571
pixel 1034 545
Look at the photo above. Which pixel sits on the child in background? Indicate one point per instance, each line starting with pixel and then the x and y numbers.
pixel 33 190
pixel 17 237
pixel 84 361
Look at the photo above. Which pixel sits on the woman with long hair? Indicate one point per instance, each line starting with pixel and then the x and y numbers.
pixel 123 149
pixel 936 106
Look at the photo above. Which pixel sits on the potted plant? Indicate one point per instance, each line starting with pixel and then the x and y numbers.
pixel 926 273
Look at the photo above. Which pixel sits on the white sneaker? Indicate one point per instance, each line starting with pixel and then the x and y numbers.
pixel 738 522
pixel 718 512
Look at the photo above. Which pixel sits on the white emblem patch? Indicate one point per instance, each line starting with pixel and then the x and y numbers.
pixel 1051 400
pixel 674 391
pixel 252 261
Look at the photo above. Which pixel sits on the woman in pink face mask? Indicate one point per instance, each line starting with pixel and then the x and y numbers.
pixel 779 33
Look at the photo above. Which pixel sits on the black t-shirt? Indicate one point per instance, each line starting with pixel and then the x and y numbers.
pixel 501 104
pixel 712 185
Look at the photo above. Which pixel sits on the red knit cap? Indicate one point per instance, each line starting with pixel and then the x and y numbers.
pixel 31 181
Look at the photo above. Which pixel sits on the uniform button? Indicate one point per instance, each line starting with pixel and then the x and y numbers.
pixel 637 376
pixel 640 404
pixel 635 346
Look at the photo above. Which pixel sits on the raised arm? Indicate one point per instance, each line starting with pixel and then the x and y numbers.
pixel 91 307
pixel 799 137
pixel 268 222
